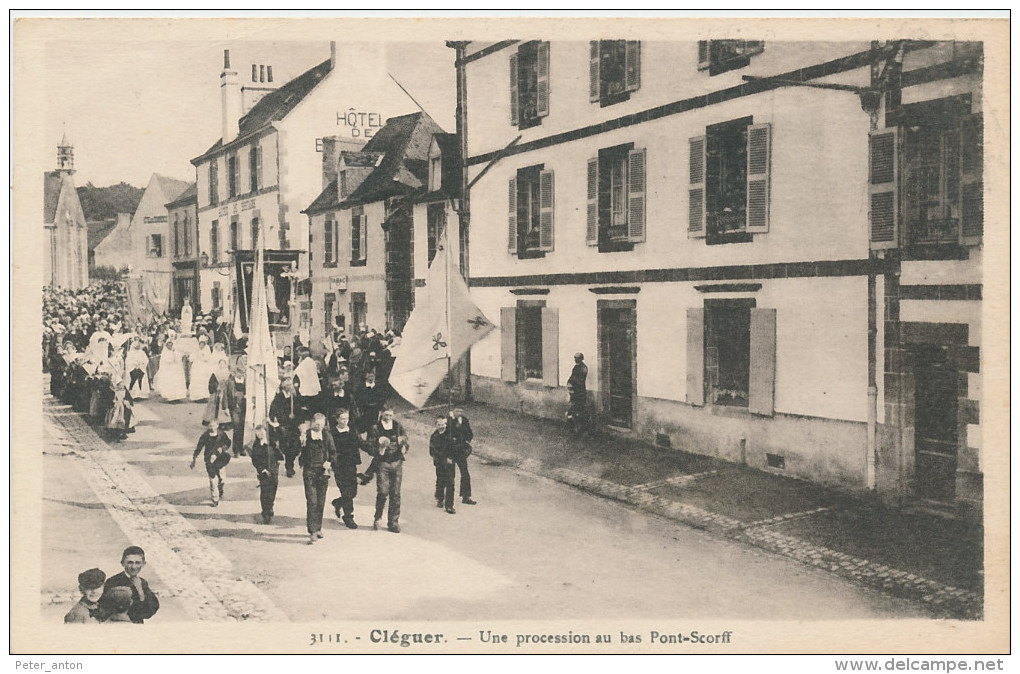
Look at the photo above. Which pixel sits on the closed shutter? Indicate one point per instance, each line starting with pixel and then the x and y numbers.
pixel 637 179
pixel 704 55
pixel 971 181
pixel 696 357
pixel 545 204
pixel 508 343
pixel 514 100
pixel 543 79
pixel 550 347
pixel 328 242
pixel 883 204
pixel 696 189
pixel 594 76
pixel 759 152
pixel 632 65
pixel 762 384
pixel 592 231
pixel 512 218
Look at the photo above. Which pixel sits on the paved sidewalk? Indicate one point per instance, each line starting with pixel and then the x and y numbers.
pixel 925 557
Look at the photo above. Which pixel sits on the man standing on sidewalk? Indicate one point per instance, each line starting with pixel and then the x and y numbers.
pixel 317 455
pixel 461 436
pixel 441 451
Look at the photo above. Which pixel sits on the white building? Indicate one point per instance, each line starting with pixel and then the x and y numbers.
pixel 66 261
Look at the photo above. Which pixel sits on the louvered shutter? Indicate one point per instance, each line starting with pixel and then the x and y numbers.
pixel 632 65
pixel 545 203
pixel 592 231
pixel 696 190
pixel 704 55
pixel 637 180
pixel 508 343
pixel 594 76
pixel 514 100
pixel 543 79
pixel 971 181
pixel 696 357
pixel 759 152
pixel 883 174
pixel 550 347
pixel 762 376
pixel 511 241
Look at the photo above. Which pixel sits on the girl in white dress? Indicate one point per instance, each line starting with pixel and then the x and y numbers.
pixel 202 367
pixel 136 364
pixel 169 382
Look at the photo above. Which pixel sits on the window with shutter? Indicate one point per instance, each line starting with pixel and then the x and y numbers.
pixel 530 352
pixel 615 70
pixel 883 207
pixel 720 56
pixel 254 168
pixel 696 357
pixel 545 211
pixel 530 220
pixel 512 218
pixel 214 181
pixel 759 151
pixel 508 343
pixel 542 81
pixel 696 190
pixel 592 231
pixel 762 384
pixel 327 243
pixel 529 84
pixel 971 179
pixel 515 101
pixel 636 184
pixel 550 346
pixel 727 353
pixel 617 198
pixel 214 242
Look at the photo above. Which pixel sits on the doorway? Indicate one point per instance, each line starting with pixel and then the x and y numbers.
pixel 617 360
pixel 936 430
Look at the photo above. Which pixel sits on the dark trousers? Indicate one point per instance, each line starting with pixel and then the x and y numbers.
pixel 465 478
pixel 316 483
pixel 288 443
pixel 136 378
pixel 446 475
pixel 347 483
pixel 388 486
pixel 267 492
pixel 238 424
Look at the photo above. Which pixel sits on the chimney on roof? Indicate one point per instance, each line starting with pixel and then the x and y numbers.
pixel 230 97
pixel 332 54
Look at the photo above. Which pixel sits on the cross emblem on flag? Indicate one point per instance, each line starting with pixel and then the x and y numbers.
pixel 437 341
pixel 478 322
pixel 420 384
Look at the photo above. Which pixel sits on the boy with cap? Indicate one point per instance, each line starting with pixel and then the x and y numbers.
pixel 317 457
pixel 90 584
pixel 214 444
pixel 119 604
pixel 144 603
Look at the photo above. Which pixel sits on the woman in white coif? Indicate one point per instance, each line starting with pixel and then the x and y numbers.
pixel 169 382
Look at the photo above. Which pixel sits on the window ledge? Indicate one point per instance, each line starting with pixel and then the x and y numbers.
pixel 330 265
pixel 359 263
pixel 615 246
pixel 729 237
pixel 613 99
pixel 530 254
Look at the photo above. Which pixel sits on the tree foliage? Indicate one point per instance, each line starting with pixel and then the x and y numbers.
pixel 101 203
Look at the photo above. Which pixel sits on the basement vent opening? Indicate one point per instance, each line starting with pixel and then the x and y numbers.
pixel 775 460
pixel 662 440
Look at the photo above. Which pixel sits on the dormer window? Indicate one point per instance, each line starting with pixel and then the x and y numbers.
pixel 344 189
pixel 435 173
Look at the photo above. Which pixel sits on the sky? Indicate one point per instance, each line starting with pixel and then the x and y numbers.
pixel 134 108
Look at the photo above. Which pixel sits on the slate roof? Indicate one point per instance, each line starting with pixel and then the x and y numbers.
pixel 99 230
pixel 172 187
pixel 361 158
pixel 187 196
pixel 51 195
pixel 274 106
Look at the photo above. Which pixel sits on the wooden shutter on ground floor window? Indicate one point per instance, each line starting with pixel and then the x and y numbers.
pixel 508 343
pixel 696 357
pixel 759 159
pixel 762 376
pixel 545 203
pixel 971 182
pixel 550 346
pixel 594 76
pixel 637 189
pixel 592 231
pixel 514 100
pixel 883 177
pixel 543 79
pixel 632 65
pixel 696 189
pixel 511 243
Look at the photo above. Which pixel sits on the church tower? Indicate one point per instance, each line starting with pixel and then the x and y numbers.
pixel 65 155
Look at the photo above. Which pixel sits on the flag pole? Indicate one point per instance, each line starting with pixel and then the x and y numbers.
pixel 449 335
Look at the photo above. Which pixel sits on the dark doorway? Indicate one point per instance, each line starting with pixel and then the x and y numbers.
pixel 728 351
pixel 936 432
pixel 616 322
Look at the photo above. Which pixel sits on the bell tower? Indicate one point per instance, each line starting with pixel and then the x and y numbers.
pixel 65 155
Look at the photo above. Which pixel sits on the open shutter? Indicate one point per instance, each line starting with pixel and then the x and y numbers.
pixel 696 190
pixel 704 55
pixel 511 241
pixel 514 100
pixel 759 151
pixel 550 347
pixel 632 65
pixel 971 181
pixel 545 204
pixel 508 343
pixel 762 393
pixel 696 357
pixel 543 79
pixel 637 179
pixel 883 174
pixel 592 232
pixel 594 76
pixel 258 166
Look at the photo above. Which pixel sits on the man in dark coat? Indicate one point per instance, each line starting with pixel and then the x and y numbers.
pixel 345 467
pixel 443 457
pixel 461 436
pixel 284 419
pixel 317 458
pixel 144 602
pixel 266 457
